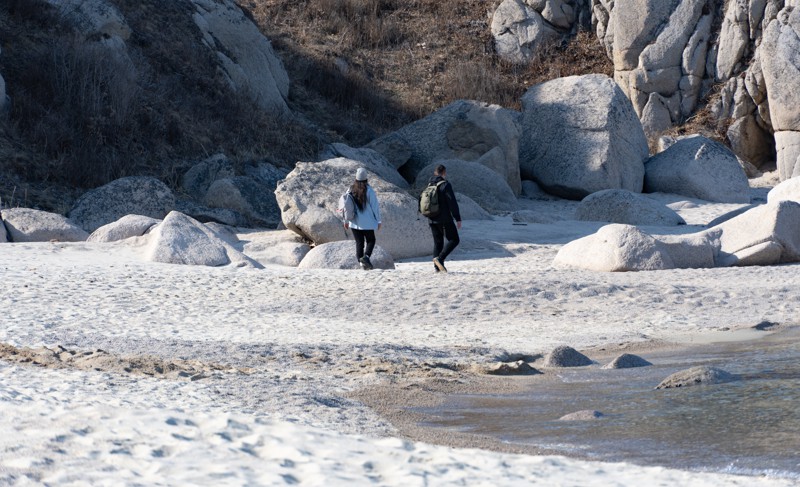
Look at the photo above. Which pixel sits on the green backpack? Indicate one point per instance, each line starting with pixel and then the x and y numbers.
pixel 429 200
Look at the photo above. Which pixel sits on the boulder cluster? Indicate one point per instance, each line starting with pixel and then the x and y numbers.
pixel 669 55
pixel 580 138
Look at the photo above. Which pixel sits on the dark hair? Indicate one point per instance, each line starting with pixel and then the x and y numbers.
pixel 359 192
pixel 440 169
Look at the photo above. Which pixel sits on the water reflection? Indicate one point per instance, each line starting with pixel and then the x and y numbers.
pixel 749 426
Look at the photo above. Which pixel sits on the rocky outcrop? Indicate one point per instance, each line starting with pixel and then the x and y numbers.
pixel 29 225
pixel 781 67
pixel 659 52
pixel 196 181
pixel 465 130
pixel 580 135
pixel 135 195
pixel 180 239
pixel 615 248
pixel 699 168
pixel 126 227
pixel 788 190
pixel 470 210
pixel 245 55
pixel 309 195
pixel 246 197
pixel 369 159
pixel 764 235
pixel 275 247
pixel 622 206
pixel 342 255
pixel 521 28
pixel 481 184
pixel 584 415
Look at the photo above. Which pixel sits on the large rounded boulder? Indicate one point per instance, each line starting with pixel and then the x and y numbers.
pixel 342 255
pixel 134 195
pixel 615 248
pixel 466 130
pixel 698 167
pixel 309 196
pixel 481 184
pixel 29 225
pixel 581 135
pixel 622 206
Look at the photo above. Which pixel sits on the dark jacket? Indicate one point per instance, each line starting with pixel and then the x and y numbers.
pixel 448 206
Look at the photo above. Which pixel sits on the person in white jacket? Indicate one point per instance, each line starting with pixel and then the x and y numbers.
pixel 367 218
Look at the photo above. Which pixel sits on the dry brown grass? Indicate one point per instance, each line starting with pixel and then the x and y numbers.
pixel 358 69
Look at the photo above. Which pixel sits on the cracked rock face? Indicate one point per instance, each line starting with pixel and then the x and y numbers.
pixel 659 50
pixel 521 27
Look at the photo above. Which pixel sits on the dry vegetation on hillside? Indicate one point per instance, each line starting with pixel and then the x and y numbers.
pixel 358 69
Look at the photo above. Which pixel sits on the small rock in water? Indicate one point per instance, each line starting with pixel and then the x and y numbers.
pixel 695 376
pixel 514 368
pixel 627 361
pixel 564 356
pixel 585 415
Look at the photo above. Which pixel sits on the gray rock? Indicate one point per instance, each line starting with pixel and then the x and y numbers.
pixel 244 54
pixel 519 367
pixel 699 168
pixel 565 356
pixel 765 235
pixel 247 197
pixel 692 251
pixel 126 227
pixel 465 130
pixel 204 214
pixel 484 186
pixel 585 415
pixel 695 376
pixel 615 248
pixel 788 190
pixel 3 231
pixel 266 173
pixel 727 216
pixel 470 210
pixel 395 148
pixel 199 177
pixel 659 52
pixel 369 159
pixel 342 255
pixel 532 191
pixel 787 147
pixel 309 195
pixel 29 225
pixel 274 247
pixel 580 135
pixel 180 239
pixel 135 195
pixel 627 361
pixel 520 32
pixel 622 206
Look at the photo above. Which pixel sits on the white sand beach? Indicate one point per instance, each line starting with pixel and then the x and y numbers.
pixel 191 375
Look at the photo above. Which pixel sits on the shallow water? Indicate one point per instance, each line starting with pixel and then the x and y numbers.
pixel 750 426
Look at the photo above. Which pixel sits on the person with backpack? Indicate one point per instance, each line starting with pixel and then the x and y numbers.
pixel 364 217
pixel 438 203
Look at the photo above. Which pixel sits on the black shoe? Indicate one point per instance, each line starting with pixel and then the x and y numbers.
pixel 365 263
pixel 439 264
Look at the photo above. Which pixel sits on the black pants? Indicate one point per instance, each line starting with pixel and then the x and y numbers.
pixel 360 236
pixel 441 231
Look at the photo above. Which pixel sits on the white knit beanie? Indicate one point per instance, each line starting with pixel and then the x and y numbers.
pixel 361 174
